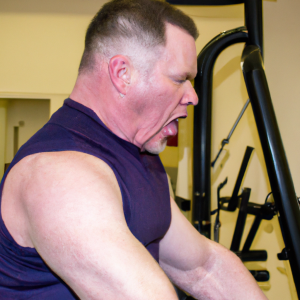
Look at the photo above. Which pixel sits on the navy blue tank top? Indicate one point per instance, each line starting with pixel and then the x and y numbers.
pixel 141 178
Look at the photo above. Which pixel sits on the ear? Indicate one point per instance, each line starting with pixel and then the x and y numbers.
pixel 120 73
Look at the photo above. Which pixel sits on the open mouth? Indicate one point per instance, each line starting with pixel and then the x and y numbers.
pixel 176 119
pixel 171 129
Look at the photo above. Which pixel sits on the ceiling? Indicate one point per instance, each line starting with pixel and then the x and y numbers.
pixel 52 6
pixel 92 6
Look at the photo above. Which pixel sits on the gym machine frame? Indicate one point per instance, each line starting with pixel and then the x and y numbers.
pixel 276 162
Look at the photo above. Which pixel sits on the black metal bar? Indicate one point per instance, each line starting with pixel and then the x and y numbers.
pixel 241 221
pixel 252 234
pixel 253 16
pixel 232 205
pixel 202 126
pixel 183 204
pixel 182 295
pixel 205 2
pixel 254 23
pixel 217 220
pixel 260 275
pixel 253 255
pixel 266 211
pixel 275 158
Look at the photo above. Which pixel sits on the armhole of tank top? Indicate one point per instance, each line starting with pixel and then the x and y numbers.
pixel 126 204
pixel 5 234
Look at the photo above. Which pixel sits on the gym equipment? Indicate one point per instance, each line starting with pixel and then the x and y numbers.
pixel 266 212
pixel 277 166
pixel 226 141
pixel 182 295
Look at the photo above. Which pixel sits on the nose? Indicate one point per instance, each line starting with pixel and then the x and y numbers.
pixel 190 97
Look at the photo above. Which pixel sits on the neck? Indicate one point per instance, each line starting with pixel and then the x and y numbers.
pixel 85 92
pixel 98 93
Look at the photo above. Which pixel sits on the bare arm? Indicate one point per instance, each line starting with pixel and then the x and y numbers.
pixel 202 267
pixel 76 222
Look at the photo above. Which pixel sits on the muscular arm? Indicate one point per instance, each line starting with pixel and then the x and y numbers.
pixel 76 222
pixel 202 267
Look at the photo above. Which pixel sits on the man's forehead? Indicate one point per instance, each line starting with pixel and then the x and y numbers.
pixel 174 32
pixel 180 51
pixel 178 39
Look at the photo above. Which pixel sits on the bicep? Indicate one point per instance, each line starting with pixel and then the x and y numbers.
pixel 78 227
pixel 183 249
pixel 182 246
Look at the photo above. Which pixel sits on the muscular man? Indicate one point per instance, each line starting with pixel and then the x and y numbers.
pixel 85 209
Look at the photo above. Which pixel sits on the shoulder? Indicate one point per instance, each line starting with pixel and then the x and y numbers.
pixel 59 187
pixel 59 166
pixel 61 162
pixel 60 171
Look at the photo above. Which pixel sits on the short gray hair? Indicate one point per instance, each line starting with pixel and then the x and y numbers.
pixel 134 28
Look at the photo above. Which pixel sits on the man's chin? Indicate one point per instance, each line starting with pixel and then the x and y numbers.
pixel 155 147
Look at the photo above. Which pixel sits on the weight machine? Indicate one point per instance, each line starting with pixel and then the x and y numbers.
pixel 286 203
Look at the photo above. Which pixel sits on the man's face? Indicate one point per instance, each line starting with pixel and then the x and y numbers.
pixel 167 91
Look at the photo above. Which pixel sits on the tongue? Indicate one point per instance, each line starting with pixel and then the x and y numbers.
pixel 171 129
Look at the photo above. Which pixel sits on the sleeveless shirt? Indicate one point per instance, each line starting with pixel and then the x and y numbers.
pixel 141 178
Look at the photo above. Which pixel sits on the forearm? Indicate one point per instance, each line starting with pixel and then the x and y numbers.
pixel 223 276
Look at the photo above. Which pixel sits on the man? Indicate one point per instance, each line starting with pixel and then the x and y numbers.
pixel 85 204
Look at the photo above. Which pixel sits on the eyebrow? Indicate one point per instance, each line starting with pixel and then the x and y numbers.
pixel 188 76
pixel 185 75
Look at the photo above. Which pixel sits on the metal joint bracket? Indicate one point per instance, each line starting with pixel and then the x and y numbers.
pixel 284 255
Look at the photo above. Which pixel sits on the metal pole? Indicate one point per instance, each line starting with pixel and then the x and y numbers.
pixel 275 158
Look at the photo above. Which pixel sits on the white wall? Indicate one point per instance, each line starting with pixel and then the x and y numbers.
pixel 32 113
pixel 3 109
